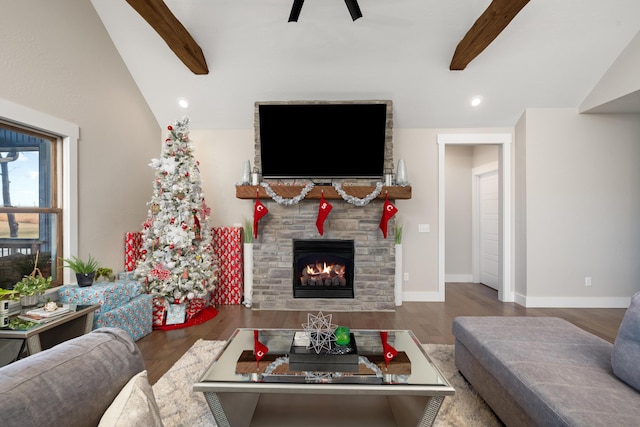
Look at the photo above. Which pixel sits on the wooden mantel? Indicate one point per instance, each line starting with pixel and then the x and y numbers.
pixel 290 191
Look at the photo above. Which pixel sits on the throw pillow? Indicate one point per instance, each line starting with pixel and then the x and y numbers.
pixel 134 405
pixel 626 348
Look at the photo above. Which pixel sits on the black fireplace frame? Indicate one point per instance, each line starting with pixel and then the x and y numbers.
pixel 328 250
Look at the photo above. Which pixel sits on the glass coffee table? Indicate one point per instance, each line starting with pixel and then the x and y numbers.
pixel 242 392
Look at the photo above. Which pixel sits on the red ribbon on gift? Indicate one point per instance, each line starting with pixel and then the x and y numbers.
pixel 388 351
pixel 259 349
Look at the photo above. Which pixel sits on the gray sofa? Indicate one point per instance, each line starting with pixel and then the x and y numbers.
pixel 545 371
pixel 71 384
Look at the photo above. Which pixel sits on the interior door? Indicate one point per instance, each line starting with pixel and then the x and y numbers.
pixel 488 222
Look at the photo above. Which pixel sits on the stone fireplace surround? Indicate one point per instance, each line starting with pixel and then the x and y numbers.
pixel 374 256
pixel 273 256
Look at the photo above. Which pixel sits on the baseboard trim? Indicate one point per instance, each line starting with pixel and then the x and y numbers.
pixel 458 278
pixel 422 297
pixel 573 302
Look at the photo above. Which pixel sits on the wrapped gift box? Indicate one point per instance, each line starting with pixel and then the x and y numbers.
pixel 195 307
pixel 159 311
pixel 134 317
pixel 132 248
pixel 227 246
pixel 127 275
pixel 176 314
pixel 109 295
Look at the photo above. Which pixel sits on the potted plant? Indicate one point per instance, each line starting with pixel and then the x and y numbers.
pixel 104 274
pixel 85 270
pixel 31 287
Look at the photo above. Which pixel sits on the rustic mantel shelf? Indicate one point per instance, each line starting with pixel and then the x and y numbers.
pixel 289 191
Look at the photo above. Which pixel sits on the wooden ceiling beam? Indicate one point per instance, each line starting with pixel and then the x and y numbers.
pixel 158 15
pixel 486 28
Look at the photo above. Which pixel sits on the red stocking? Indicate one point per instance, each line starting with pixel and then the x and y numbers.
pixel 388 211
pixel 259 210
pixel 323 212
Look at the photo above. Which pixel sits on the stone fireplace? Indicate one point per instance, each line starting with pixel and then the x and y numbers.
pixel 374 256
pixel 373 266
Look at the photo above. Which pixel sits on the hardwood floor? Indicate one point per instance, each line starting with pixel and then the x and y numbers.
pixel 430 321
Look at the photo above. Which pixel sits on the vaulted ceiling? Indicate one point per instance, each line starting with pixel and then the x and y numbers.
pixel 430 57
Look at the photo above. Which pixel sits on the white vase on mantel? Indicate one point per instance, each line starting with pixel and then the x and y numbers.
pixel 397 289
pixel 248 274
pixel 401 173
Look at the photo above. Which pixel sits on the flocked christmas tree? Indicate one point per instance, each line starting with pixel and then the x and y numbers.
pixel 177 261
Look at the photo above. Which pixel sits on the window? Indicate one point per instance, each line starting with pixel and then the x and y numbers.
pixel 64 178
pixel 30 218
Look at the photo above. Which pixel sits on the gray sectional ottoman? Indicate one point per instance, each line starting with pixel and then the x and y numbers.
pixel 545 371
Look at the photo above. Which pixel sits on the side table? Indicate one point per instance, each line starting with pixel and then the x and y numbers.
pixel 46 335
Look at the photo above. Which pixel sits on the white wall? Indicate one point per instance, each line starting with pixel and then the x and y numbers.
pixel 58 59
pixel 458 249
pixel 620 80
pixel 582 208
pixel 222 154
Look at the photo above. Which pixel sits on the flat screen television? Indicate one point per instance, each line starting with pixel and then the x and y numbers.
pixel 322 140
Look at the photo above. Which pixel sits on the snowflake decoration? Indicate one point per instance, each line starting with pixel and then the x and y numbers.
pixel 320 331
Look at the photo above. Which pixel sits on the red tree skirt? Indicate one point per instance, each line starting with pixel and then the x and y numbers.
pixel 207 314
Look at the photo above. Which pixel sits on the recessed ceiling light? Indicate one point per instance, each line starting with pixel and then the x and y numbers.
pixel 475 101
pixel 183 102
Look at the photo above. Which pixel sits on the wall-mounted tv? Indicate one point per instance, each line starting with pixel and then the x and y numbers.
pixel 322 140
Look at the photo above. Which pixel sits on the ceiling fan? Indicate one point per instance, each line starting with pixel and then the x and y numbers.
pixel 352 5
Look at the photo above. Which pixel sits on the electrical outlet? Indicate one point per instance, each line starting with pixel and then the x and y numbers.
pixel 587 281
pixel 406 277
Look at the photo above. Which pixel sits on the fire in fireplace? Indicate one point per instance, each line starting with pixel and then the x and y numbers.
pixel 323 268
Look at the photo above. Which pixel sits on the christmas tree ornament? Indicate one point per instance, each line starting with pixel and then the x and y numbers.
pixel 388 211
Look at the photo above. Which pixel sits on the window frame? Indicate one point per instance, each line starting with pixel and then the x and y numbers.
pixel 66 190
pixel 53 190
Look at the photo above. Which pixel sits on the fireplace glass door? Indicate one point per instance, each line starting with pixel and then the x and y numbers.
pixel 323 268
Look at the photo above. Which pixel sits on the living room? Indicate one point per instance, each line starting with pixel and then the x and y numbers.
pixel 573 215
pixel 570 156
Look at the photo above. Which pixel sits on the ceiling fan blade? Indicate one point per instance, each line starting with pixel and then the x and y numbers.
pixel 486 28
pixel 158 15
pixel 295 10
pixel 354 9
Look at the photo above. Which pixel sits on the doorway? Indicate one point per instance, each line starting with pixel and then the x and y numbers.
pixel 505 291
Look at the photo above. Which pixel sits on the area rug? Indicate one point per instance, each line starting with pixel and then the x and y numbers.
pixel 180 406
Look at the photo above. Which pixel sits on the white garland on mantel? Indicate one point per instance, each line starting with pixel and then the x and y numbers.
pixel 281 200
pixel 308 187
pixel 356 201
